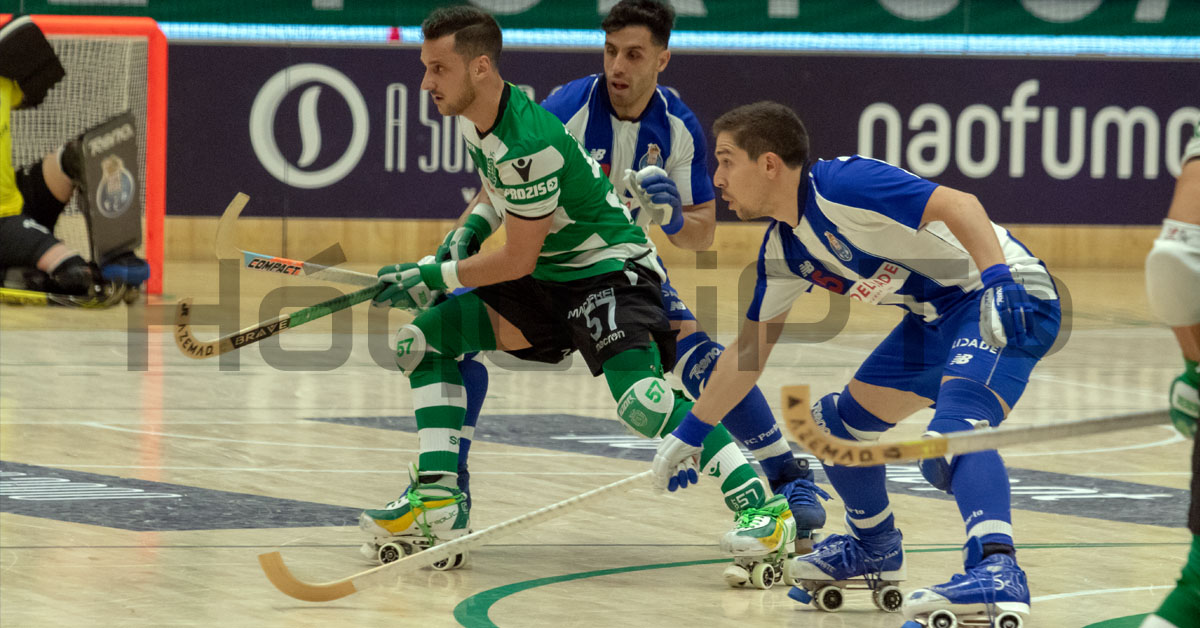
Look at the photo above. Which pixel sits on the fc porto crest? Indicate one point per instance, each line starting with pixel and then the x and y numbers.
pixel 838 247
pixel 653 157
pixel 115 192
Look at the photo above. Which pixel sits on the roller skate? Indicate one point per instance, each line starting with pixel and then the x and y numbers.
pixel 807 511
pixel 759 543
pixel 842 562
pixel 427 513
pixel 993 593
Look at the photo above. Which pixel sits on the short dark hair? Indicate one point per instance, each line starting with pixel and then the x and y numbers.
pixel 766 127
pixel 659 17
pixel 475 31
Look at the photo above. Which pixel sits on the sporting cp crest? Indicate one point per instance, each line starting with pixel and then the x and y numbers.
pixel 653 157
pixel 116 189
pixel 839 249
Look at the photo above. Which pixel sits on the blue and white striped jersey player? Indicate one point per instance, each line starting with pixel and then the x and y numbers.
pixel 639 131
pixel 981 311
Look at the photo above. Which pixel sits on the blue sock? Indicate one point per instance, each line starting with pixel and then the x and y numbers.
pixel 863 489
pixel 750 421
pixel 979 480
pixel 475 381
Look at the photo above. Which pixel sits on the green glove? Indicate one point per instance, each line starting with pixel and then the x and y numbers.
pixel 463 242
pixel 413 286
pixel 1185 403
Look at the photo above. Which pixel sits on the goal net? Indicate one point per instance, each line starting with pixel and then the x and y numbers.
pixel 113 64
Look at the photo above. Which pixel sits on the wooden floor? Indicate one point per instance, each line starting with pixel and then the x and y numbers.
pixel 139 485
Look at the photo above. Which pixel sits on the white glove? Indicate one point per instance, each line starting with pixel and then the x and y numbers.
pixel 657 195
pixel 675 464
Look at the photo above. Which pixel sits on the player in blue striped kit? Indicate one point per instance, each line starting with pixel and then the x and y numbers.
pixel 980 311
pixel 644 136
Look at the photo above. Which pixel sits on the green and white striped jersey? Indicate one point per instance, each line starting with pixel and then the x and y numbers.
pixel 532 167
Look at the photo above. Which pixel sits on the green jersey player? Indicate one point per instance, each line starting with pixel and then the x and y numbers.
pixel 575 274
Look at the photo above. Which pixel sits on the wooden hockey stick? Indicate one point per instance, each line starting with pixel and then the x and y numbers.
pixel 280 576
pixel 225 247
pixel 199 350
pixel 833 450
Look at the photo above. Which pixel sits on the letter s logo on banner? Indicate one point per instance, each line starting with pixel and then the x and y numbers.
pixel 262 125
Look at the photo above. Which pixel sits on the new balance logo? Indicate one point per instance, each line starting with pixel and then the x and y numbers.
pixel 961 359
pixel 598 153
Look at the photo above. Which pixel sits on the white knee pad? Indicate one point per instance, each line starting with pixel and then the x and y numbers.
pixel 410 348
pixel 1173 274
pixel 644 408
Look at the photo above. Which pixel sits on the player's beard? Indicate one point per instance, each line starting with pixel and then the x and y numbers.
pixel 464 100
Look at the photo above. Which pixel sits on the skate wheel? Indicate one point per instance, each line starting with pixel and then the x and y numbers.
pixel 736 576
pixel 942 618
pixel 763 576
pixel 1009 620
pixel 131 295
pixel 390 553
pixel 829 599
pixel 888 598
pixel 451 562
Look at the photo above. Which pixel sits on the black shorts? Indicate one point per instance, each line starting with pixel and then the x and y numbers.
pixel 40 203
pixel 598 316
pixel 22 242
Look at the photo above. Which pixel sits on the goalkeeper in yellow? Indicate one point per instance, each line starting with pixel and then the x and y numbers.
pixel 32 198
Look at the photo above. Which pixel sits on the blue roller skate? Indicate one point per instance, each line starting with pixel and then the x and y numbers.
pixel 843 561
pixel 807 511
pixel 993 592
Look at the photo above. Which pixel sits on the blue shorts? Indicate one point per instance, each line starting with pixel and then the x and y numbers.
pixel 677 310
pixel 916 355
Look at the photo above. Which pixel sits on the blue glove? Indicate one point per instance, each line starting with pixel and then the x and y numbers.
pixel 1006 311
pixel 658 195
pixel 411 286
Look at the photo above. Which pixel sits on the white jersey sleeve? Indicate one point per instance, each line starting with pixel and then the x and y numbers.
pixel 1193 147
pixel 778 285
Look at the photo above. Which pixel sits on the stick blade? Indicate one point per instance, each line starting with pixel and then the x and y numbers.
pixel 280 576
pixel 187 343
pixel 225 242
pixel 796 402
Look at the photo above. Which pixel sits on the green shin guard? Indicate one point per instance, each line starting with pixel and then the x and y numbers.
pixel 719 457
pixel 1182 604
pixel 441 334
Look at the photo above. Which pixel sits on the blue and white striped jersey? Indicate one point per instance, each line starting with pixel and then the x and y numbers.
pixel 860 235
pixel 667 134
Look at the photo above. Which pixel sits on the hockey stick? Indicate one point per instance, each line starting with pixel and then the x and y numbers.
pixel 280 576
pixel 225 247
pixel 833 450
pixel 199 350
pixel 17 296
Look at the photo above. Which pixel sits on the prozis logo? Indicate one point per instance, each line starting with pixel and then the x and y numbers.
pixel 266 108
pixel 1141 135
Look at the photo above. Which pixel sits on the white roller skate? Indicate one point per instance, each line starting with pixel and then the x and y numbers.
pixel 843 561
pixel 427 514
pixel 759 541
pixel 993 593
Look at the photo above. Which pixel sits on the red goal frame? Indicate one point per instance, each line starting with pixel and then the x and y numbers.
pixel 155 177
